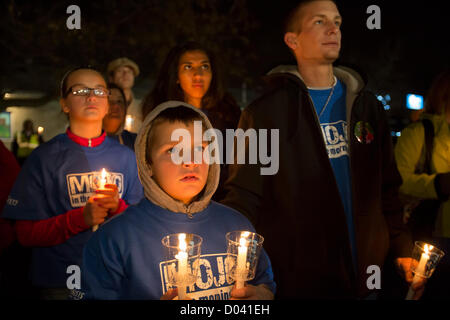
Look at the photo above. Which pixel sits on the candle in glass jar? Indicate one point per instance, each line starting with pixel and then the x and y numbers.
pixel 101 186
pixel 420 270
pixel 241 266
pixel 182 257
pixel 102 180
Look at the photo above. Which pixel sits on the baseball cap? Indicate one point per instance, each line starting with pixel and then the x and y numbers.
pixel 113 65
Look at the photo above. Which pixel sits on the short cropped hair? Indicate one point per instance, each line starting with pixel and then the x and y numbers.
pixel 291 22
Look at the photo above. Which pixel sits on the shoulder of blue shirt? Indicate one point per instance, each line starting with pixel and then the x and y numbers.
pixel 217 210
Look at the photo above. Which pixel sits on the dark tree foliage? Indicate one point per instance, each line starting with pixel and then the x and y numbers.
pixel 38 45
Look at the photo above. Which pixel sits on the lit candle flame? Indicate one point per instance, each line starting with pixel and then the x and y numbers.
pixel 242 240
pixel 428 248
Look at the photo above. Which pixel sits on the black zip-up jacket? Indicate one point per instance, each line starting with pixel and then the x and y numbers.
pixel 299 211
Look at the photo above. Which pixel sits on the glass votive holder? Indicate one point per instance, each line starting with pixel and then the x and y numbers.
pixel 425 258
pixel 243 250
pixel 182 252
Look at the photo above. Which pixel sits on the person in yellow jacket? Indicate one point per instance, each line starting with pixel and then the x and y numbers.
pixel 410 151
pixel 26 141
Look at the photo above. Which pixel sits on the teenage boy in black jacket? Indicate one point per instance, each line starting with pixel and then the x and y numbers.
pixel 331 210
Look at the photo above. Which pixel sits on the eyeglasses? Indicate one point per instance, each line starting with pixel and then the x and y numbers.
pixel 98 92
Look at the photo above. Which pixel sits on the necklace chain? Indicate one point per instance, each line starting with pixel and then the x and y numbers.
pixel 326 103
pixel 328 99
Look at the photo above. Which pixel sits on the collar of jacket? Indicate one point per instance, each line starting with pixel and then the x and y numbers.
pixel 352 80
pixel 94 142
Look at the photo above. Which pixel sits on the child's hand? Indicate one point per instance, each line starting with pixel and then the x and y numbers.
pixel 249 292
pixel 109 198
pixel 172 294
pixel 169 295
pixel 94 214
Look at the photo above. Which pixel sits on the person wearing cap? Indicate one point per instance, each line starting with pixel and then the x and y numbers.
pixel 122 72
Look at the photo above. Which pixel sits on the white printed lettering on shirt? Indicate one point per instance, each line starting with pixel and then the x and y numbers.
pixel 336 138
pixel 81 186
pixel 213 281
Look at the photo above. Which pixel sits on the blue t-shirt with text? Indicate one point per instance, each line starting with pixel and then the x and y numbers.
pixel 125 258
pixel 58 177
pixel 334 129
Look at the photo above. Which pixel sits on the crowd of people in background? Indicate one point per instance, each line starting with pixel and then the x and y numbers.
pixel 343 199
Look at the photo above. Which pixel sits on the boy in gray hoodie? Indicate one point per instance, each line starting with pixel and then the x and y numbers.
pixel 124 259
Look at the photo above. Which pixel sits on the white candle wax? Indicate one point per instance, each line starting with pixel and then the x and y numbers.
pixel 102 180
pixel 419 272
pixel 241 263
pixel 182 257
pixel 101 187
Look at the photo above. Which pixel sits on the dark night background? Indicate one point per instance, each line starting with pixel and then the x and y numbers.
pixel 37 48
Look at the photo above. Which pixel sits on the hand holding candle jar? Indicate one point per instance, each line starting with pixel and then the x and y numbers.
pixel 106 195
pixel 428 257
pixel 182 250
pixel 244 248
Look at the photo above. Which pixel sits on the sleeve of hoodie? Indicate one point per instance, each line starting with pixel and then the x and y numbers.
pixel 400 237
pixel 245 181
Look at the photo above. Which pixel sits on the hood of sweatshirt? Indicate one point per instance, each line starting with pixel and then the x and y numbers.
pixel 350 77
pixel 152 190
pixel 354 82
